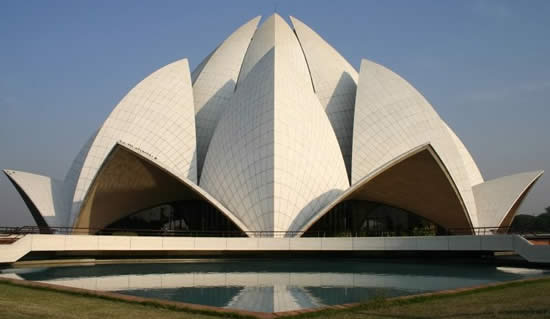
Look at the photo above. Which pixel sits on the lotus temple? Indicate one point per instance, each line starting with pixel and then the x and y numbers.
pixel 274 134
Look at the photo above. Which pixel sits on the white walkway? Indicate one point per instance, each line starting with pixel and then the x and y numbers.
pixel 33 243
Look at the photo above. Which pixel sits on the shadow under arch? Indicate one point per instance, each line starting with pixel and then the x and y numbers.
pixel 416 181
pixel 129 181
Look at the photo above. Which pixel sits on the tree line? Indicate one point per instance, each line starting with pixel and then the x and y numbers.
pixel 530 223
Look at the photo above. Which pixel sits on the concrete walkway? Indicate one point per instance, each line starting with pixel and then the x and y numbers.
pixel 10 253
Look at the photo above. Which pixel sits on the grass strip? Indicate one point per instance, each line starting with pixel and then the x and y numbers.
pixel 149 302
pixel 382 303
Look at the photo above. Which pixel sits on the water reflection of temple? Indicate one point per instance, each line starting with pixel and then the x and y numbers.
pixel 260 291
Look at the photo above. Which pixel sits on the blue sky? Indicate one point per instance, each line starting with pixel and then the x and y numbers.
pixel 484 66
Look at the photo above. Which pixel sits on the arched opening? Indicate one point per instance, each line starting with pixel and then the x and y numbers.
pixel 133 193
pixel 416 182
pixel 365 218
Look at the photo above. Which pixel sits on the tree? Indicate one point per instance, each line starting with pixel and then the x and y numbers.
pixel 530 223
pixel 523 223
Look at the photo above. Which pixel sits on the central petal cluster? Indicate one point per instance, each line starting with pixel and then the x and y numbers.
pixel 274 159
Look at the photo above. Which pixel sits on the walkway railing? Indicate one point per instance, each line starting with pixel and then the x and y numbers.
pixel 21 231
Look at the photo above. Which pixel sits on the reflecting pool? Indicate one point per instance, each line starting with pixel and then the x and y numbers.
pixel 273 285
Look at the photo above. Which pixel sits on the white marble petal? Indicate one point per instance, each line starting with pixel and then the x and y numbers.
pixel 214 83
pixel 496 198
pixel 471 167
pixel 391 117
pixel 46 194
pixel 335 84
pixel 274 159
pixel 157 118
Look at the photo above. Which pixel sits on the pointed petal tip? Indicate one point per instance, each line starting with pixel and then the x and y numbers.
pixel 276 17
pixel 9 172
pixel 295 21
pixel 538 174
pixel 175 62
pixel 253 21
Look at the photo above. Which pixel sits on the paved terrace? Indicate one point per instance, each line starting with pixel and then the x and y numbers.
pixel 13 251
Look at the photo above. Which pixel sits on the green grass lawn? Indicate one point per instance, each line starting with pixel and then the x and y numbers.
pixel 515 300
pixel 23 302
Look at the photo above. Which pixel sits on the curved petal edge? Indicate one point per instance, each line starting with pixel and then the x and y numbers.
pixel 335 84
pixel 266 162
pixel 44 197
pixel 417 181
pixel 498 199
pixel 214 84
pixel 129 181
pixel 156 117
pixel 392 117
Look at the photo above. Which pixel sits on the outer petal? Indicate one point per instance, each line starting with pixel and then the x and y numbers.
pixel 274 158
pixel 156 117
pixel 417 181
pixel 471 167
pixel 498 199
pixel 335 83
pixel 72 177
pixel 392 117
pixel 44 196
pixel 214 83
pixel 262 42
pixel 130 181
pixel 50 200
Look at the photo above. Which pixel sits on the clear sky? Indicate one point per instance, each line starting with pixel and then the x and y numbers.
pixel 64 65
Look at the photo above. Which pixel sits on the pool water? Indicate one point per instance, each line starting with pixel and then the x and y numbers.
pixel 273 285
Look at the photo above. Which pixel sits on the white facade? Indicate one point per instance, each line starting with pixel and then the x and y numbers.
pixel 73 177
pixel 265 162
pixel 334 82
pixel 47 194
pixel 273 128
pixel 214 83
pixel 496 198
pixel 472 170
pixel 392 117
pixel 156 117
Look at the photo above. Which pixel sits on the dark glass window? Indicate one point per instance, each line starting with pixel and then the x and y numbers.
pixel 365 218
pixel 192 217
